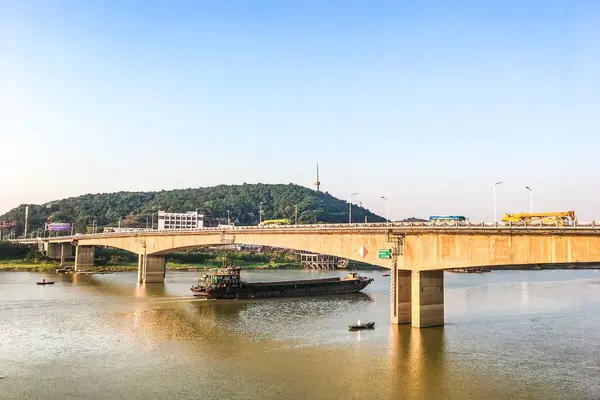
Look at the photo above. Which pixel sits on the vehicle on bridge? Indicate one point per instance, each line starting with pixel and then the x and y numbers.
pixel 556 218
pixel 272 222
pixel 112 229
pixel 447 218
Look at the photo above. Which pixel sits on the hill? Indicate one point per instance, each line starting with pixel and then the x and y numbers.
pixel 242 201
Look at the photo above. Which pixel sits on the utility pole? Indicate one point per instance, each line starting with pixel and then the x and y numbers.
pixel 495 184
pixel 350 207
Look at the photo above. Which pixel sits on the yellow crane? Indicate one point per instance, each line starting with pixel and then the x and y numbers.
pixel 560 218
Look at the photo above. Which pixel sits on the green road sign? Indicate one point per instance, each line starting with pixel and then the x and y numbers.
pixel 384 253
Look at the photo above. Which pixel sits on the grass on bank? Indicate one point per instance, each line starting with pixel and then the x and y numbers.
pixel 47 266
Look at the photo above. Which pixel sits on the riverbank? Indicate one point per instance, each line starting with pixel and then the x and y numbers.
pixel 19 265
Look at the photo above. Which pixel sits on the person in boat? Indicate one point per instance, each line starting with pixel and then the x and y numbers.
pixel 43 280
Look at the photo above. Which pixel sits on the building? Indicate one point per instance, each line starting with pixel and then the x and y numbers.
pixel 187 220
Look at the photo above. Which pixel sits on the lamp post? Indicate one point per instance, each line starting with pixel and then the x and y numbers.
pixel 228 219
pixel 495 184
pixel 26 216
pixel 260 213
pixel 295 214
pixel 119 224
pixel 350 207
pixel 94 226
pixel 530 199
pixel 387 210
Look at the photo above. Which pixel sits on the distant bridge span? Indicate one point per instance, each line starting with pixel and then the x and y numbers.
pixel 418 252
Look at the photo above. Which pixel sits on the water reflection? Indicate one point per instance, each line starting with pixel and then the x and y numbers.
pixel 150 290
pixel 95 329
pixel 416 361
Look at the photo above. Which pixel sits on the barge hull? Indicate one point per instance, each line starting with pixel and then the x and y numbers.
pixel 287 289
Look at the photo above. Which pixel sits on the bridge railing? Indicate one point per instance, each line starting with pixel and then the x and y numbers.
pixel 593 225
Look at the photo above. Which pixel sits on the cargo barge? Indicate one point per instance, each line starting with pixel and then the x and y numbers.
pixel 225 283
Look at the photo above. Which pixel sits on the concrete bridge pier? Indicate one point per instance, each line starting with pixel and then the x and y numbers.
pixel 400 296
pixel 151 268
pixel 417 297
pixel 60 251
pixel 84 257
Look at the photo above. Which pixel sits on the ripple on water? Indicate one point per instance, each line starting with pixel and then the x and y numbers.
pixel 507 337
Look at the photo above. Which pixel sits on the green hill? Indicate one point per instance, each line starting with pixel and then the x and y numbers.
pixel 242 201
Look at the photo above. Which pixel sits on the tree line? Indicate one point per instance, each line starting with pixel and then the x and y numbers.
pixel 241 202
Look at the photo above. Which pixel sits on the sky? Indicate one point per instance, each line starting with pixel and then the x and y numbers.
pixel 424 102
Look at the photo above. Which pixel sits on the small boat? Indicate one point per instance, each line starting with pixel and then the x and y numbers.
pixel 358 326
pixel 45 282
pixel 386 274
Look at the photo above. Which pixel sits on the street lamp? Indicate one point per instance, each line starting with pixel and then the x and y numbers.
pixel 530 199
pixel 260 213
pixel 228 219
pixel 119 224
pixel 350 207
pixel 26 217
pixel 495 184
pixel 296 214
pixel 94 226
pixel 387 210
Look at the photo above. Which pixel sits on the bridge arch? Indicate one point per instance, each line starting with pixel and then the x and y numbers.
pixel 351 246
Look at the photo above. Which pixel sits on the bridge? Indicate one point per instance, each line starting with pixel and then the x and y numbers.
pixel 416 253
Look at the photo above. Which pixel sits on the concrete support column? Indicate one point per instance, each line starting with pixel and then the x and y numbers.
pixel 151 268
pixel 84 257
pixel 54 250
pixel 427 289
pixel 400 296
pixel 62 255
pixel 140 276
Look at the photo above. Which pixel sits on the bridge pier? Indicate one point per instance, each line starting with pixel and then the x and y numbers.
pixel 84 257
pixel 400 296
pixel 417 297
pixel 427 298
pixel 151 268
pixel 58 250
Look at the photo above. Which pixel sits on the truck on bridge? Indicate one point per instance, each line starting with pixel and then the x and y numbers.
pixel 558 218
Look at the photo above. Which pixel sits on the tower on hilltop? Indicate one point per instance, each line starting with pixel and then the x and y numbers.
pixel 317 182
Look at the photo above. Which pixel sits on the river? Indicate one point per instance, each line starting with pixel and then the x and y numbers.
pixel 508 334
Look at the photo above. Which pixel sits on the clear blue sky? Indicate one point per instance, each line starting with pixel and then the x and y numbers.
pixel 424 102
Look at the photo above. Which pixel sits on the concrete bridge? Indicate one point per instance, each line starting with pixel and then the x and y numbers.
pixel 416 253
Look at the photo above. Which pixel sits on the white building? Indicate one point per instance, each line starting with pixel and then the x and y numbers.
pixel 187 220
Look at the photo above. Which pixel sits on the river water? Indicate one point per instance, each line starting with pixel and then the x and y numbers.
pixel 508 334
